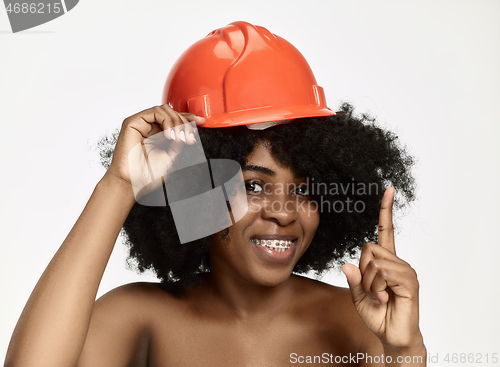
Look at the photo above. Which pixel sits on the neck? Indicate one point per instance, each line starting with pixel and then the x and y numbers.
pixel 247 300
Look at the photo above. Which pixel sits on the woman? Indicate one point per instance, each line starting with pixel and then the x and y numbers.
pixel 230 298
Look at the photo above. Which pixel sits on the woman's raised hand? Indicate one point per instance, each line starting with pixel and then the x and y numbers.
pixel 384 288
pixel 146 124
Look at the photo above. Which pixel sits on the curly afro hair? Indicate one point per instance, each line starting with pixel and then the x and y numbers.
pixel 349 160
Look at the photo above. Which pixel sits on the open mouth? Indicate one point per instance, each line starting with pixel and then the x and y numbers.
pixel 275 245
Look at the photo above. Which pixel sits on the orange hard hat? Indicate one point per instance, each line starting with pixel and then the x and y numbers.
pixel 243 74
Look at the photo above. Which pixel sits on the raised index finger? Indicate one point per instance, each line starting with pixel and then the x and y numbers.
pixel 385 226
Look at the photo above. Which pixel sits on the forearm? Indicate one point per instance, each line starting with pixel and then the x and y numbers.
pixel 53 326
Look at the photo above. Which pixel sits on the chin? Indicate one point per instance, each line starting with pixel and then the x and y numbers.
pixel 271 277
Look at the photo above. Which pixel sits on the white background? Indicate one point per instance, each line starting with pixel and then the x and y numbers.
pixel 427 69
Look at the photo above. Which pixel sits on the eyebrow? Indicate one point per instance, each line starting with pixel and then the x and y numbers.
pixel 265 171
pixel 260 169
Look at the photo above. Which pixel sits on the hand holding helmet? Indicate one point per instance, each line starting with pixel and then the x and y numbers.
pixel 146 124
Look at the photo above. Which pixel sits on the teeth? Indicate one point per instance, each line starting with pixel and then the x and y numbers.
pixel 276 245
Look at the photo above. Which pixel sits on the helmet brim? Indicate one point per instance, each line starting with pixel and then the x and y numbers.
pixel 265 114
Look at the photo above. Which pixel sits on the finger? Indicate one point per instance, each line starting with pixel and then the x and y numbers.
pixel 379 288
pixel 144 122
pixel 194 121
pixel 171 119
pixel 354 279
pixel 385 225
pixel 371 251
pixel 374 283
pixel 382 275
pixel 198 120
pixel 181 128
pixel 186 131
pixel 178 129
pixel 153 120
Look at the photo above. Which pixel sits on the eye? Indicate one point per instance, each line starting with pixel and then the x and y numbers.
pixel 254 187
pixel 302 190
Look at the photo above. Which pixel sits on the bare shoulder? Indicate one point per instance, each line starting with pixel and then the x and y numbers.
pixel 334 311
pixel 140 293
pixel 325 296
pixel 141 303
pixel 121 323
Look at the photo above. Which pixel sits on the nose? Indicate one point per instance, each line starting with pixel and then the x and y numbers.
pixel 280 208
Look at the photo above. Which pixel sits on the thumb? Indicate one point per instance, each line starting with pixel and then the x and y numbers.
pixel 354 278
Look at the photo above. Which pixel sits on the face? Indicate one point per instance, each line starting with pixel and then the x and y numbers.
pixel 264 246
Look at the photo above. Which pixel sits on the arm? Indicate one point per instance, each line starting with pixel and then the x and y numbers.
pixel 53 326
pixel 385 293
